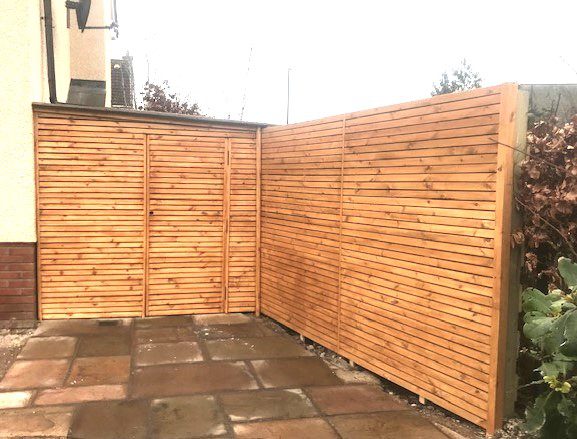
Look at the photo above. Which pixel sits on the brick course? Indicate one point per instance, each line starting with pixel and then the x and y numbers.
pixel 17 281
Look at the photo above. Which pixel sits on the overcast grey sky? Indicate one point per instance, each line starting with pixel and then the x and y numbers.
pixel 344 56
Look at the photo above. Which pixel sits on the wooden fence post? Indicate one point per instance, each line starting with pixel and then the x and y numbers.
pixel 503 207
pixel 146 228
pixel 226 223
pixel 258 144
pixel 344 127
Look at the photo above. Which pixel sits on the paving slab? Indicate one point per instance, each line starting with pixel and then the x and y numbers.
pixel 267 404
pixel 337 400
pixel 24 374
pixel 75 327
pixel 386 425
pixel 294 372
pixel 255 348
pixel 161 322
pixel 35 422
pixel 167 353
pixel 184 379
pixel 9 400
pixel 186 417
pixel 295 428
pixel 111 420
pixel 48 347
pixel 241 330
pixel 221 319
pixel 72 395
pixel 104 345
pixel 165 335
pixel 88 371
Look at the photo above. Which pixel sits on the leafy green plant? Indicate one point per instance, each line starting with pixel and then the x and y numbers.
pixel 550 322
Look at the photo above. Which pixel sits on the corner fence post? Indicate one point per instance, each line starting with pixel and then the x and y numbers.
pixel 502 252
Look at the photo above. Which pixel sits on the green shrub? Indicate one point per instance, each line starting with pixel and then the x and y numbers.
pixel 550 322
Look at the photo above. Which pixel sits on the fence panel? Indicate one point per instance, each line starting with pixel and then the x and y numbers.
pixel 379 240
pixel 301 202
pixel 383 234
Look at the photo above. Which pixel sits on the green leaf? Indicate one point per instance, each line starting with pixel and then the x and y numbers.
pixel 557 303
pixel 569 347
pixel 560 365
pixel 552 368
pixel 552 341
pixel 535 300
pixel 571 326
pixel 568 271
pixel 566 407
pixel 537 326
pixel 535 416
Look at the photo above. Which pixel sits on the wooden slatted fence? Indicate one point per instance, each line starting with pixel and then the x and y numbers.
pixel 382 234
pixel 144 215
pixel 385 238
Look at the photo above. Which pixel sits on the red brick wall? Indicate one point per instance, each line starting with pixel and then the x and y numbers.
pixel 17 281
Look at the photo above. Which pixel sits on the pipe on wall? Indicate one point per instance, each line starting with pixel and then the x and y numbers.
pixel 50 50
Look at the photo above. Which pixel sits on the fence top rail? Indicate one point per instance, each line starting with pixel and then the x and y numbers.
pixel 115 113
pixel 409 105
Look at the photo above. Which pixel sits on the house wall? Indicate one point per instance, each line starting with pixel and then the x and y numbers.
pixel 24 80
pixel 21 44
pixel 89 54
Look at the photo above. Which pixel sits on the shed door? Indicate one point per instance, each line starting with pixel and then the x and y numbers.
pixel 90 218
pixel 185 241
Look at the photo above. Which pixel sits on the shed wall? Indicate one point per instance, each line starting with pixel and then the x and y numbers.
pixel 134 217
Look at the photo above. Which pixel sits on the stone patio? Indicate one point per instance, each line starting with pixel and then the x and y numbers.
pixel 188 377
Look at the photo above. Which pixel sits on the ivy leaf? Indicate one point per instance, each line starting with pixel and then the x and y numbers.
pixel 568 271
